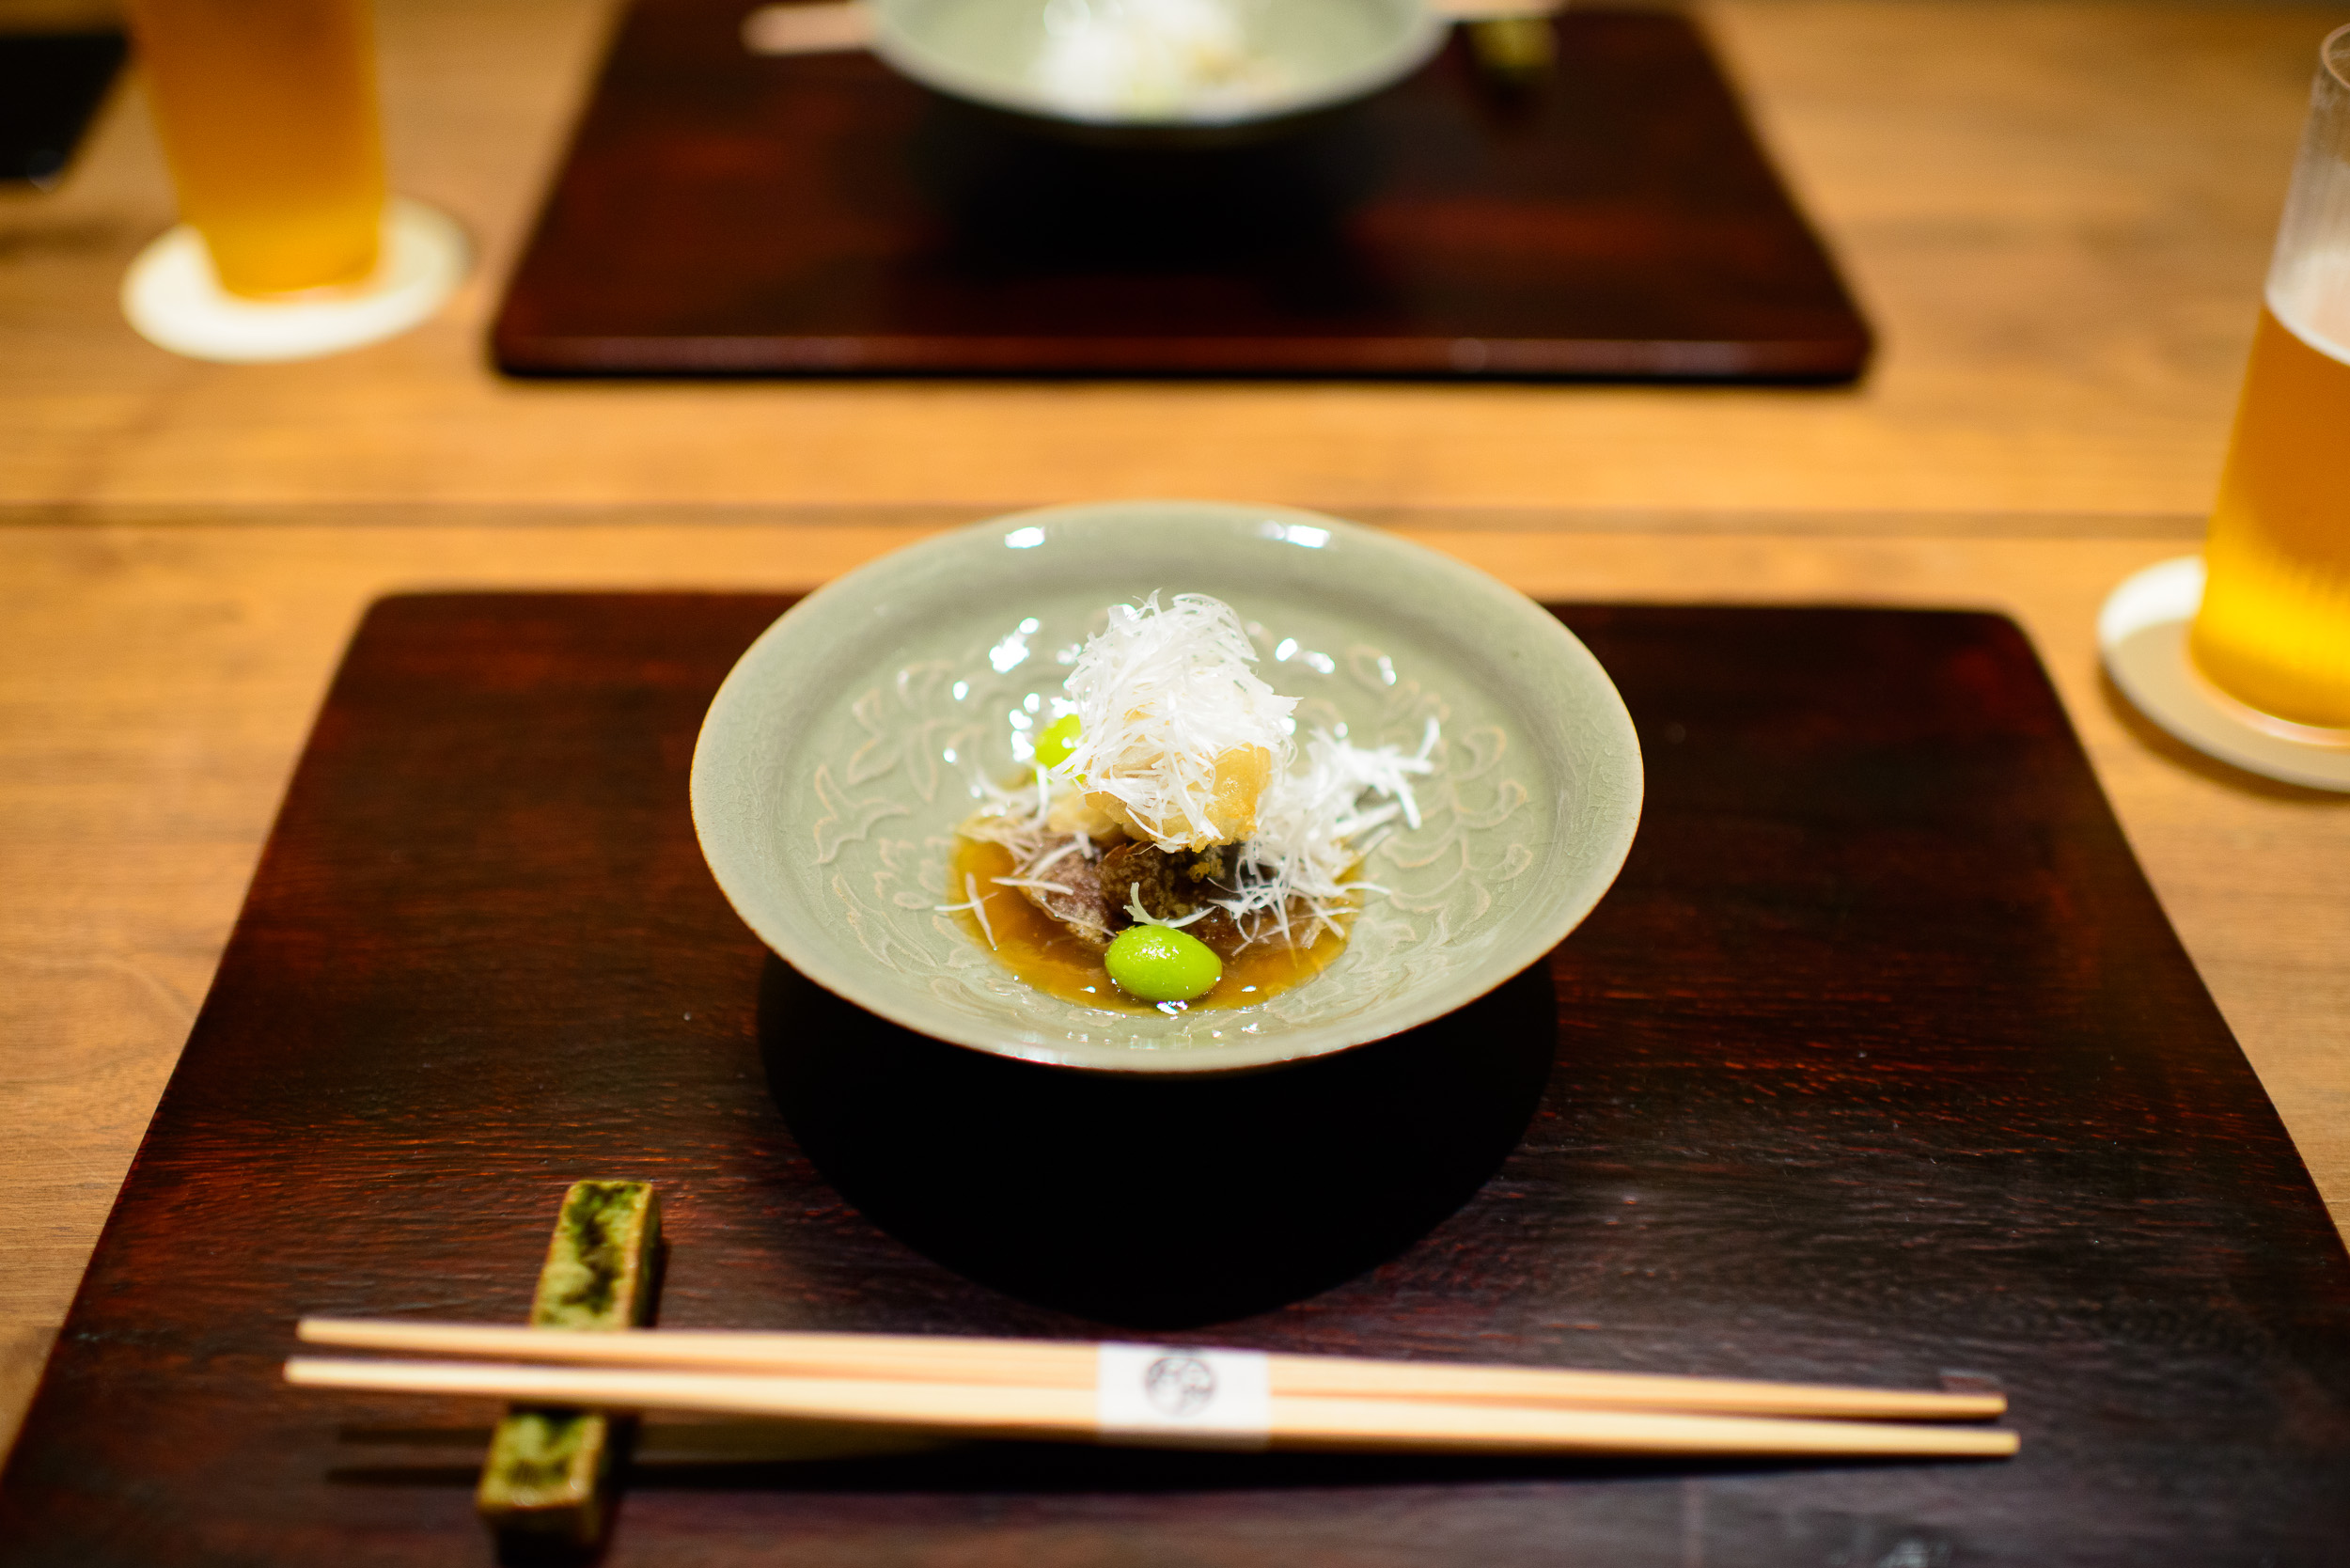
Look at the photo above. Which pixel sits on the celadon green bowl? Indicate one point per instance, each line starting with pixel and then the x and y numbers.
pixel 1321 54
pixel 847 745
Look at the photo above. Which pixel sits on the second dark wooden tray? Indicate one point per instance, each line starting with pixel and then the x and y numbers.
pixel 1879 1064
pixel 725 214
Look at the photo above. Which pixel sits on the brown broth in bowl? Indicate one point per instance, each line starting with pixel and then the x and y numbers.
pixel 1039 951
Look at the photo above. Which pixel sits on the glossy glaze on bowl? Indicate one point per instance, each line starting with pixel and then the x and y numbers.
pixel 1325 53
pixel 842 751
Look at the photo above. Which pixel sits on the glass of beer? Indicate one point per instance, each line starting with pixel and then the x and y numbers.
pixel 2274 629
pixel 267 112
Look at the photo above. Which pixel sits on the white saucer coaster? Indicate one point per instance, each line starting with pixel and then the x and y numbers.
pixel 2142 633
pixel 173 298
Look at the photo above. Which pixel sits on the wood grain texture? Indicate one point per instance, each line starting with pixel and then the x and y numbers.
pixel 156 681
pixel 2056 214
pixel 725 214
pixel 1879 1062
pixel 23 1351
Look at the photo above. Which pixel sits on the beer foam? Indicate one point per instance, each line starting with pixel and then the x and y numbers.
pixel 2309 295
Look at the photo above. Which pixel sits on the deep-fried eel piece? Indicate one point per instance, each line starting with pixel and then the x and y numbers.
pixel 1171 886
pixel 1086 908
pixel 1168 885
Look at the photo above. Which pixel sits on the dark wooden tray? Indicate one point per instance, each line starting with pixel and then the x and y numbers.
pixel 725 214
pixel 1880 1063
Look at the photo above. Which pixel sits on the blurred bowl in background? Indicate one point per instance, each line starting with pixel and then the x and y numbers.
pixel 1164 65
pixel 1165 71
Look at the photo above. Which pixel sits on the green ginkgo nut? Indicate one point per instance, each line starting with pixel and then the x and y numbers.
pixel 1056 741
pixel 1159 964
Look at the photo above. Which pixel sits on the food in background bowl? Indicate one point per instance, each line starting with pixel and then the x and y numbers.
pixel 1162 66
pixel 1114 59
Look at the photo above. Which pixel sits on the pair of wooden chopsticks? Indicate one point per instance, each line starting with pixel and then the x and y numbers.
pixel 1050 1389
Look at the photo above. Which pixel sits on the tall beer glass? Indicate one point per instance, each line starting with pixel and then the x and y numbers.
pixel 268 116
pixel 2274 630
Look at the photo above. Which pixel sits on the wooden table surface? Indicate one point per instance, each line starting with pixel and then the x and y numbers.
pixel 2057 215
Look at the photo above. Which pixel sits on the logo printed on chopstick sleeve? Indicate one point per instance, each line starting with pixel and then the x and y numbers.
pixel 1215 1397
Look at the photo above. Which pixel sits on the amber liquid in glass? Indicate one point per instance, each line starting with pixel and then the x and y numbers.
pixel 268 116
pixel 2274 631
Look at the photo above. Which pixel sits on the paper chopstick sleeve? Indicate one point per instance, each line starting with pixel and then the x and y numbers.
pixel 1156 1394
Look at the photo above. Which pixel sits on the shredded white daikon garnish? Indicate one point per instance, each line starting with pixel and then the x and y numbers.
pixel 976 906
pixel 1162 695
pixel 979 907
pixel 1178 738
pixel 1307 824
pixel 1144 918
pixel 1051 856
